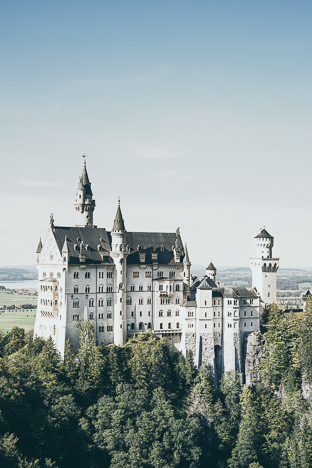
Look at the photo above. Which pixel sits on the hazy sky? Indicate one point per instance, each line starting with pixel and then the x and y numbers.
pixel 197 113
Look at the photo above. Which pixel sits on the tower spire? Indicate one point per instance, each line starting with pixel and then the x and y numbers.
pixel 84 204
pixel 119 224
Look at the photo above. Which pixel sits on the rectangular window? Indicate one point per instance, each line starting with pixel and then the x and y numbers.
pixel 132 288
pixel 109 274
pixel 110 329
pixel 149 287
pixel 140 288
pixel 148 274
pixel 136 274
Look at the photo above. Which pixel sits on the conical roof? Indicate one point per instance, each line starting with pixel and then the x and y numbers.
pixel 119 224
pixel 65 246
pixel 39 248
pixel 186 257
pixel 211 267
pixel 85 180
pixel 264 234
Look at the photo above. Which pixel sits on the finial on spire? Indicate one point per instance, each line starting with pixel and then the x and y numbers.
pixel 51 220
pixel 118 200
pixel 84 159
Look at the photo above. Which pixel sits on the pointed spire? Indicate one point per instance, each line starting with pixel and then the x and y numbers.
pixel 65 246
pixel 211 267
pixel 186 257
pixel 80 184
pixel 119 224
pixel 39 248
pixel 85 178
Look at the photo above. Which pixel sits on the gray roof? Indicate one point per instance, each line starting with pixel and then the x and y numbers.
pixel 39 248
pixel 186 256
pixel 137 242
pixel 90 237
pixel 119 224
pixel 211 267
pixel 148 242
pixel 85 180
pixel 244 292
pixel 264 234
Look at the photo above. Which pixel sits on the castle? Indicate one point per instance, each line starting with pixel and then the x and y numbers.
pixel 128 282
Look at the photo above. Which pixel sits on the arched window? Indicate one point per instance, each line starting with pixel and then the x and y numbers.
pixel 177 287
pixel 177 312
pixel 161 287
pixel 169 325
pixel 268 294
pixel 132 326
pixel 149 300
pixel 245 313
pixel 87 289
pixel 109 315
pixel 76 290
pixel 141 300
pixel 101 302
pixel 149 325
pixel 101 288
pixel 141 326
pixel 160 326
pixel 161 313
pixel 76 274
pixel 129 301
pixel 169 313
pixel 76 303
pixel 177 325
pixel 109 289
pixel 109 302
pixel 91 302
pixel 87 275
pixel 91 316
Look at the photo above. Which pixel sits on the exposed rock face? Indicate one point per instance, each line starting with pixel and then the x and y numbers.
pixel 255 344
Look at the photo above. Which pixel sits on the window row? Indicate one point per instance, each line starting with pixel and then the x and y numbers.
pixel 136 274
pixel 168 326
pixel 109 329
pixel 177 287
pixel 161 313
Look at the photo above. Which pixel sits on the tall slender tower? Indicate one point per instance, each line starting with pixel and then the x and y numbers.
pixel 119 255
pixel 84 204
pixel 264 267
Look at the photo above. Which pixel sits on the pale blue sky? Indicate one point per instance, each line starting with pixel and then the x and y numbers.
pixel 197 113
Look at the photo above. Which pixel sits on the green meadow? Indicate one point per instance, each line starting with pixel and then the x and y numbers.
pixel 10 319
pixel 21 318
pixel 8 299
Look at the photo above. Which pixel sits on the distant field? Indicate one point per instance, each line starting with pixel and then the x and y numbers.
pixel 9 299
pixel 10 319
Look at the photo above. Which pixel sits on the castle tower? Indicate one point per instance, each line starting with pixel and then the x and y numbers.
pixel 264 267
pixel 119 255
pixel 211 272
pixel 187 270
pixel 84 204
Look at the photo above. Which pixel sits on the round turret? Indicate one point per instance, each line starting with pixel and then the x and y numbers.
pixel 264 244
pixel 211 272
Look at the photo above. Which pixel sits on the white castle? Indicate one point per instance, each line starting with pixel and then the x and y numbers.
pixel 129 282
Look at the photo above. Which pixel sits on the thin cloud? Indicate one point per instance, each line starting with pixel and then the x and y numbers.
pixel 156 153
pixel 135 79
pixel 163 69
pixel 39 184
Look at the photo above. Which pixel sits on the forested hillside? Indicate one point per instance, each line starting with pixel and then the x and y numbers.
pixel 144 406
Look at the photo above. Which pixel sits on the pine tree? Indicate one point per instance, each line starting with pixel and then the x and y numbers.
pixel 306 340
